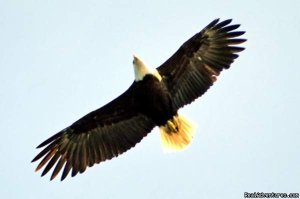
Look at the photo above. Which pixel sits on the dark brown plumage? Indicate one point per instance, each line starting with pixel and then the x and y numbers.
pixel 194 67
pixel 121 124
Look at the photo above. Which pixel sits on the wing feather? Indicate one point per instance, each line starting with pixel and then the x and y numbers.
pixel 195 65
pixel 98 136
pixel 58 167
pixel 66 170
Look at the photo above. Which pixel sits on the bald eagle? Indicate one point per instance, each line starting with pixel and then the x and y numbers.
pixel 153 99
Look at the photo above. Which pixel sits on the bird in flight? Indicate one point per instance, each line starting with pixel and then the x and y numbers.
pixel 153 99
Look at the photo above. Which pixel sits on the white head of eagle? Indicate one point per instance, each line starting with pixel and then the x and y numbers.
pixel 141 69
pixel 153 99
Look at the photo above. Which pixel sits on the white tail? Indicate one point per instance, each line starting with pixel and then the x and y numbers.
pixel 177 133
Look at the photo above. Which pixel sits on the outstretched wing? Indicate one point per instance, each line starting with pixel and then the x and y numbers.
pixel 100 135
pixel 194 67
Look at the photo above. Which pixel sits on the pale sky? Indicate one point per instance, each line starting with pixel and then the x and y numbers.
pixel 60 60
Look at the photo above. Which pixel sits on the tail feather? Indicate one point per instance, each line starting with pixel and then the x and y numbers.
pixel 177 133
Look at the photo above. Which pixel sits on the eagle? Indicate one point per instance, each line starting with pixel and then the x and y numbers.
pixel 153 99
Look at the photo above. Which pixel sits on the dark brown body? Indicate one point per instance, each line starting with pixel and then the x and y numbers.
pixel 154 100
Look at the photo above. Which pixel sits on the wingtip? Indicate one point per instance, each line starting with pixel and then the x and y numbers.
pixel 52 177
pixel 35 159
pixel 212 24
pixel 44 173
pixel 63 177
pixel 215 21
pixel 37 169
pixel 242 49
pixel 242 32
pixel 228 20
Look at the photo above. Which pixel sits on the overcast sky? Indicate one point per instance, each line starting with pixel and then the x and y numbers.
pixel 62 59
